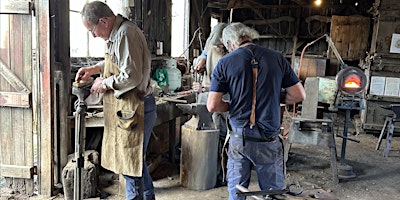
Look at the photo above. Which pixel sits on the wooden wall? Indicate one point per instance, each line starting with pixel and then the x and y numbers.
pixel 382 63
pixel 155 20
pixel 350 34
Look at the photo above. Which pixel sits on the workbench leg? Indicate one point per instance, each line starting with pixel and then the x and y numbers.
pixel 172 142
pixel 332 149
pixel 334 165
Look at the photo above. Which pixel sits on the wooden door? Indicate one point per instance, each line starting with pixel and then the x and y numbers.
pixel 18 113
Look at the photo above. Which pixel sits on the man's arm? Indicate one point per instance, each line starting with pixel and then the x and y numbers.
pixel 215 102
pixel 295 93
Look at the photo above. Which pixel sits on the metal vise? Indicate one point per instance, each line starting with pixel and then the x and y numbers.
pixel 202 118
pixel 82 91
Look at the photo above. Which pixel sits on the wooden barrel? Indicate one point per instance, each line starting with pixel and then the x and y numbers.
pixel 199 157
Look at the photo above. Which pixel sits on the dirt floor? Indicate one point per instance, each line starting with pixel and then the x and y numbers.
pixel 377 177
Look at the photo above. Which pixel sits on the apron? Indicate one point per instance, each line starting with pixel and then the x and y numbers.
pixel 122 146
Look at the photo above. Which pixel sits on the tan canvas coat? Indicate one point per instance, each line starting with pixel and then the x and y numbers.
pixel 122 147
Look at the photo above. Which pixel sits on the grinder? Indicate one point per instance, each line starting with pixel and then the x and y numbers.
pixel 81 89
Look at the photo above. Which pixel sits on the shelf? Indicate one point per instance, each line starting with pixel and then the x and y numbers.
pixel 372 97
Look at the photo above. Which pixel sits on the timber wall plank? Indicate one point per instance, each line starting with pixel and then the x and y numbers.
pixel 350 35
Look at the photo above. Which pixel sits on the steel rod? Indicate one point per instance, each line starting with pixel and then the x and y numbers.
pixel 345 130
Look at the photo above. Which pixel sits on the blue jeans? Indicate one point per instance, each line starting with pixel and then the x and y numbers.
pixel 142 187
pixel 265 157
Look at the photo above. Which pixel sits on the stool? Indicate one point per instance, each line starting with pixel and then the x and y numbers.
pixel 389 125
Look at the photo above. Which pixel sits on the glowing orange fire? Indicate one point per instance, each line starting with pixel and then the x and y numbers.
pixel 352 81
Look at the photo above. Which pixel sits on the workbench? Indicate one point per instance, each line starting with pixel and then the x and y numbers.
pixel 167 112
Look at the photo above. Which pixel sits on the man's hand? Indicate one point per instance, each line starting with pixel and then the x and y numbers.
pixel 85 73
pixel 196 87
pixel 98 86
pixel 200 66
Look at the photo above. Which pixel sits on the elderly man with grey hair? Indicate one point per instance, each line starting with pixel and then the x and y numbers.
pixel 253 76
pixel 128 104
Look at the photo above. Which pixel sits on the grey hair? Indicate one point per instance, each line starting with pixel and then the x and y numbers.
pixel 235 32
pixel 95 10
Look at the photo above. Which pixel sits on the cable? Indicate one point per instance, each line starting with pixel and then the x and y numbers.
pixel 190 43
pixel 301 62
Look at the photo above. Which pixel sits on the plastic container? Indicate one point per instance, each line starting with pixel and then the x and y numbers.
pixel 174 75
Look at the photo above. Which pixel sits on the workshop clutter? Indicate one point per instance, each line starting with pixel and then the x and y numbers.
pixel 169 76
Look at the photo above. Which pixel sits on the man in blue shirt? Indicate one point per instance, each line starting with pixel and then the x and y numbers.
pixel 253 76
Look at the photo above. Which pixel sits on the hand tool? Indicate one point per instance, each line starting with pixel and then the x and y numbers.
pixel 292 189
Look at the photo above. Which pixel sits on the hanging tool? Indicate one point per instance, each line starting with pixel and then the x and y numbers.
pixel 81 89
pixel 198 77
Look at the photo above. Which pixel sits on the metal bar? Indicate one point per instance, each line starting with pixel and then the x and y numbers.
pixel 243 189
pixel 345 130
pixel 348 138
pixel 383 133
pixel 80 132
pixel 389 138
pixel 335 51
pixel 262 192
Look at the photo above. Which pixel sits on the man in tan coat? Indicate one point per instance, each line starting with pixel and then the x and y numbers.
pixel 128 102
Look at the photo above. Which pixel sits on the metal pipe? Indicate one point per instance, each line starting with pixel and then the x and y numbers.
pixel 79 149
pixel 335 51
pixel 345 130
pixel 243 189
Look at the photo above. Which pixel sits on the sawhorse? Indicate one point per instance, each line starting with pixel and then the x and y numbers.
pixel 389 125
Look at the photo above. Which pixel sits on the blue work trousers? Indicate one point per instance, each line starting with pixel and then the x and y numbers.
pixel 138 188
pixel 265 157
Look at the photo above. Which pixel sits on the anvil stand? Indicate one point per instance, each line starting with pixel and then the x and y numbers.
pixel 348 103
pixel 82 92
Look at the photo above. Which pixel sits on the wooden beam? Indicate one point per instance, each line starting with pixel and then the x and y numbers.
pixel 15 99
pixel 16 171
pixel 12 79
pixel 270 21
pixel 15 7
pixel 46 124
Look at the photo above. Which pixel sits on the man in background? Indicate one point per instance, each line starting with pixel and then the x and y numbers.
pixel 214 50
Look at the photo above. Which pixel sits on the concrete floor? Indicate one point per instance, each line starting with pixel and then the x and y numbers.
pixel 170 188
pixel 378 177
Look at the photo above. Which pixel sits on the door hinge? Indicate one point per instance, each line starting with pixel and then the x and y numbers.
pixel 32 7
